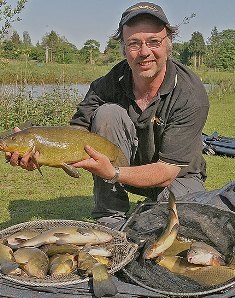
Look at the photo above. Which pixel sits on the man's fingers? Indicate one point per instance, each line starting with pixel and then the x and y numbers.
pixel 16 129
pixel 27 162
pixel 91 152
pixel 14 159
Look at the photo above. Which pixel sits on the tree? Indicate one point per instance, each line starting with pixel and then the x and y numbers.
pixel 9 15
pixel 197 49
pixel 112 52
pixel 90 52
pixel 15 38
pixel 212 49
pixel 26 39
pixel 58 49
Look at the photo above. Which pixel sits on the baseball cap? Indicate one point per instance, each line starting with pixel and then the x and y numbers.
pixel 143 8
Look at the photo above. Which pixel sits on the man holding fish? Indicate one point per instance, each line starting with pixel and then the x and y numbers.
pixel 150 106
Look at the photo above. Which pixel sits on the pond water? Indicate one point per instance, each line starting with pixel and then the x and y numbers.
pixel 35 91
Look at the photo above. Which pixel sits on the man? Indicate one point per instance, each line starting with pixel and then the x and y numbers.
pixel 154 109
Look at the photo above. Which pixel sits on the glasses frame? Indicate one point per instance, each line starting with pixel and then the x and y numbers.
pixel 140 43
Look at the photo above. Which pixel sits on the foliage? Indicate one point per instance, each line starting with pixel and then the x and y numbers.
pixel 90 52
pixel 55 108
pixel 32 72
pixel 8 15
pixel 112 53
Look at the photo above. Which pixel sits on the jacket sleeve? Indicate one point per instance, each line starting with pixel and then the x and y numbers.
pixel 88 105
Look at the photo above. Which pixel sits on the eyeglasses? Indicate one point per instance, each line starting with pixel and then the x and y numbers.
pixel 136 45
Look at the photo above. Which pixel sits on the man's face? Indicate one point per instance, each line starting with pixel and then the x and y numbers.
pixel 145 60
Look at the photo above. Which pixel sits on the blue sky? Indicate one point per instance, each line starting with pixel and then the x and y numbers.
pixel 80 20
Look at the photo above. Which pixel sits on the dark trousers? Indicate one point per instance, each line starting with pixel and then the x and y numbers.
pixel 112 122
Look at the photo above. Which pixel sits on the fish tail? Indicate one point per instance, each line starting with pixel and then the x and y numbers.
pixel 103 284
pixel 172 204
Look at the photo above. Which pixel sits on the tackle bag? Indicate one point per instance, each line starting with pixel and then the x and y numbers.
pixel 215 144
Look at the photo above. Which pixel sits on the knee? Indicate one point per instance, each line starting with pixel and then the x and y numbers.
pixel 110 115
pixel 109 112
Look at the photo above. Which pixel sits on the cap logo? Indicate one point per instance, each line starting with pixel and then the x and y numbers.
pixel 144 7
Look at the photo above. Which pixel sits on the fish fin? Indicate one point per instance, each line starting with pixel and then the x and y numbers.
pixel 35 160
pixel 103 285
pixel 71 171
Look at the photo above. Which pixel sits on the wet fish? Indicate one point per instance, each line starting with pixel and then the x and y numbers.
pixel 206 276
pixel 8 264
pixel 97 251
pixel 178 248
pixel 60 146
pixel 85 236
pixel 168 236
pixel 62 264
pixel 212 275
pixel 176 264
pixel 54 249
pixel 32 261
pixel 103 284
pixel 69 235
pixel 204 254
pixel 16 239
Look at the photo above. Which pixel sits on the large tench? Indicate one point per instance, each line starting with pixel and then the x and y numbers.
pixel 69 235
pixel 32 261
pixel 62 264
pixel 60 146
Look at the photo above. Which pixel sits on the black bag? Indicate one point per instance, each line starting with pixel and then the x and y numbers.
pixel 218 145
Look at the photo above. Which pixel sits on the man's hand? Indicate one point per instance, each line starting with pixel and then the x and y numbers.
pixel 98 164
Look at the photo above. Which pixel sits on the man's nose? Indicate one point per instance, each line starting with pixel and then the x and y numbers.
pixel 144 49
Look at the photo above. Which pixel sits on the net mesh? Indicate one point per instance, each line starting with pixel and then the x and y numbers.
pixel 198 222
pixel 122 250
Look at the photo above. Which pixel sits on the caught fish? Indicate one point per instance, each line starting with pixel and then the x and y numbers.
pixel 168 236
pixel 62 264
pixel 176 264
pixel 103 260
pixel 103 284
pixel 212 275
pixel 60 146
pixel 178 248
pixel 54 249
pixel 32 261
pixel 16 239
pixel 204 254
pixel 69 235
pixel 8 265
pixel 85 236
pixel 97 251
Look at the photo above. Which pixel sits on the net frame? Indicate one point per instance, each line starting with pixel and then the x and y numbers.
pixel 148 207
pixel 122 249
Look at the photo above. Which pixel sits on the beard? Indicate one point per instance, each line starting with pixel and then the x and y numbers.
pixel 151 73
